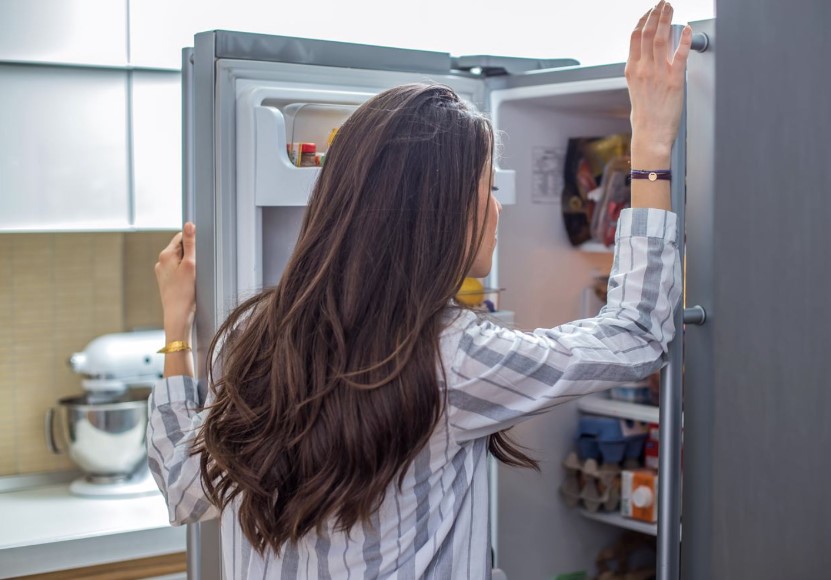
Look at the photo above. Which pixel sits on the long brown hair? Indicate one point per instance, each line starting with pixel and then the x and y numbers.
pixel 329 385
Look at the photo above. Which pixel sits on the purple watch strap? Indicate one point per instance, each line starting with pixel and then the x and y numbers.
pixel 651 174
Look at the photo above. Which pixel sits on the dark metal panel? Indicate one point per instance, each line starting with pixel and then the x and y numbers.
pixel 698 340
pixel 266 47
pixel 771 512
pixel 500 65
pixel 273 48
pixel 558 75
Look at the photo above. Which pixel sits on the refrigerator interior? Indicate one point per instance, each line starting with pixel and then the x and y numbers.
pixel 544 278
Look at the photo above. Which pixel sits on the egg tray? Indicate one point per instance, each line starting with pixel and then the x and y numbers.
pixel 592 485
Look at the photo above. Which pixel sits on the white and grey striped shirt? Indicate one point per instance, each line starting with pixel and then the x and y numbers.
pixel 437 525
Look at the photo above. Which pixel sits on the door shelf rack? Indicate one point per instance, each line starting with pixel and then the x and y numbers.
pixel 279 183
pixel 595 248
pixel 615 519
pixel 599 405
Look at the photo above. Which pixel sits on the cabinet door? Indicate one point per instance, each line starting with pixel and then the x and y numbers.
pixel 157 149
pixel 64 31
pixel 63 149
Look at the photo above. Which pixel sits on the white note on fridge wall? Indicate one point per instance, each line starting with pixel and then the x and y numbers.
pixel 547 165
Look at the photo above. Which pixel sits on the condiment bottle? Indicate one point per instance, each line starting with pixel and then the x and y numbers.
pixel 307 155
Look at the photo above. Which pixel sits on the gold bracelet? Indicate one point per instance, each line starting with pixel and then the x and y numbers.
pixel 174 346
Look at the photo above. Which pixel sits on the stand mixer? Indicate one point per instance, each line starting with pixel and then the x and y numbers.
pixel 103 429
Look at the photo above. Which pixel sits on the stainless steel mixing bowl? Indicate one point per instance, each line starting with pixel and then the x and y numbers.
pixel 105 439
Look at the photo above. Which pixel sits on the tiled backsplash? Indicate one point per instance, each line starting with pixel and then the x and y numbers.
pixel 58 291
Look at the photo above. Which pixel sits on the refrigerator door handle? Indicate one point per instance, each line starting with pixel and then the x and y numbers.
pixel 700 42
pixel 695 315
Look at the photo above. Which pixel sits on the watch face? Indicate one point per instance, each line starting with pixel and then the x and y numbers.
pixel 651 175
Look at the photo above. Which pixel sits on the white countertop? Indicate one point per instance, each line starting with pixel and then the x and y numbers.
pixel 48 528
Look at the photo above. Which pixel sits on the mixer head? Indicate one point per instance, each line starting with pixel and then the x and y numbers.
pixel 112 363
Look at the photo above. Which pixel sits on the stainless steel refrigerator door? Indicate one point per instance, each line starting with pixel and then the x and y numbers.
pixel 760 401
pixel 228 216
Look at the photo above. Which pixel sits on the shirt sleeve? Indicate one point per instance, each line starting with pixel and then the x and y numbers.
pixel 173 423
pixel 500 377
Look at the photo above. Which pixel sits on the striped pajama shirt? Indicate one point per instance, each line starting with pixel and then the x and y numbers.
pixel 437 525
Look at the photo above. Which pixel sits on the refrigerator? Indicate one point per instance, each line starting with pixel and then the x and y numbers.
pixel 246 97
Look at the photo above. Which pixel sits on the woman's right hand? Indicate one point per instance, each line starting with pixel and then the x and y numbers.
pixel 655 79
pixel 176 277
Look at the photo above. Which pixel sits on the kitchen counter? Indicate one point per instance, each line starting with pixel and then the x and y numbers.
pixel 47 529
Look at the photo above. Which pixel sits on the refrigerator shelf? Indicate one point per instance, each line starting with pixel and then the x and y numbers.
pixel 599 405
pixel 595 248
pixel 279 183
pixel 615 519
pixel 276 181
pixel 502 317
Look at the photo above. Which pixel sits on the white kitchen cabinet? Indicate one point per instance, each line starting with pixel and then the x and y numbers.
pixel 159 29
pixel 157 149
pixel 63 149
pixel 64 31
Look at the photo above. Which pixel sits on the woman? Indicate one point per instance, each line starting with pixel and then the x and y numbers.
pixel 347 432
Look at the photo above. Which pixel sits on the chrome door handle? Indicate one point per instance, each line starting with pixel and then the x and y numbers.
pixel 695 315
pixel 700 42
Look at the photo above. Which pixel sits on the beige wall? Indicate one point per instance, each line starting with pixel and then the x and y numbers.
pixel 58 292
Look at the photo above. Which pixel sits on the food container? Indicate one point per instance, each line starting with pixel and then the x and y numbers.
pixel 610 440
pixel 617 451
pixel 651 448
pixel 639 393
pixel 638 494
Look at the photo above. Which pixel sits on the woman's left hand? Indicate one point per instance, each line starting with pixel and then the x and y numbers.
pixel 176 277
pixel 655 78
